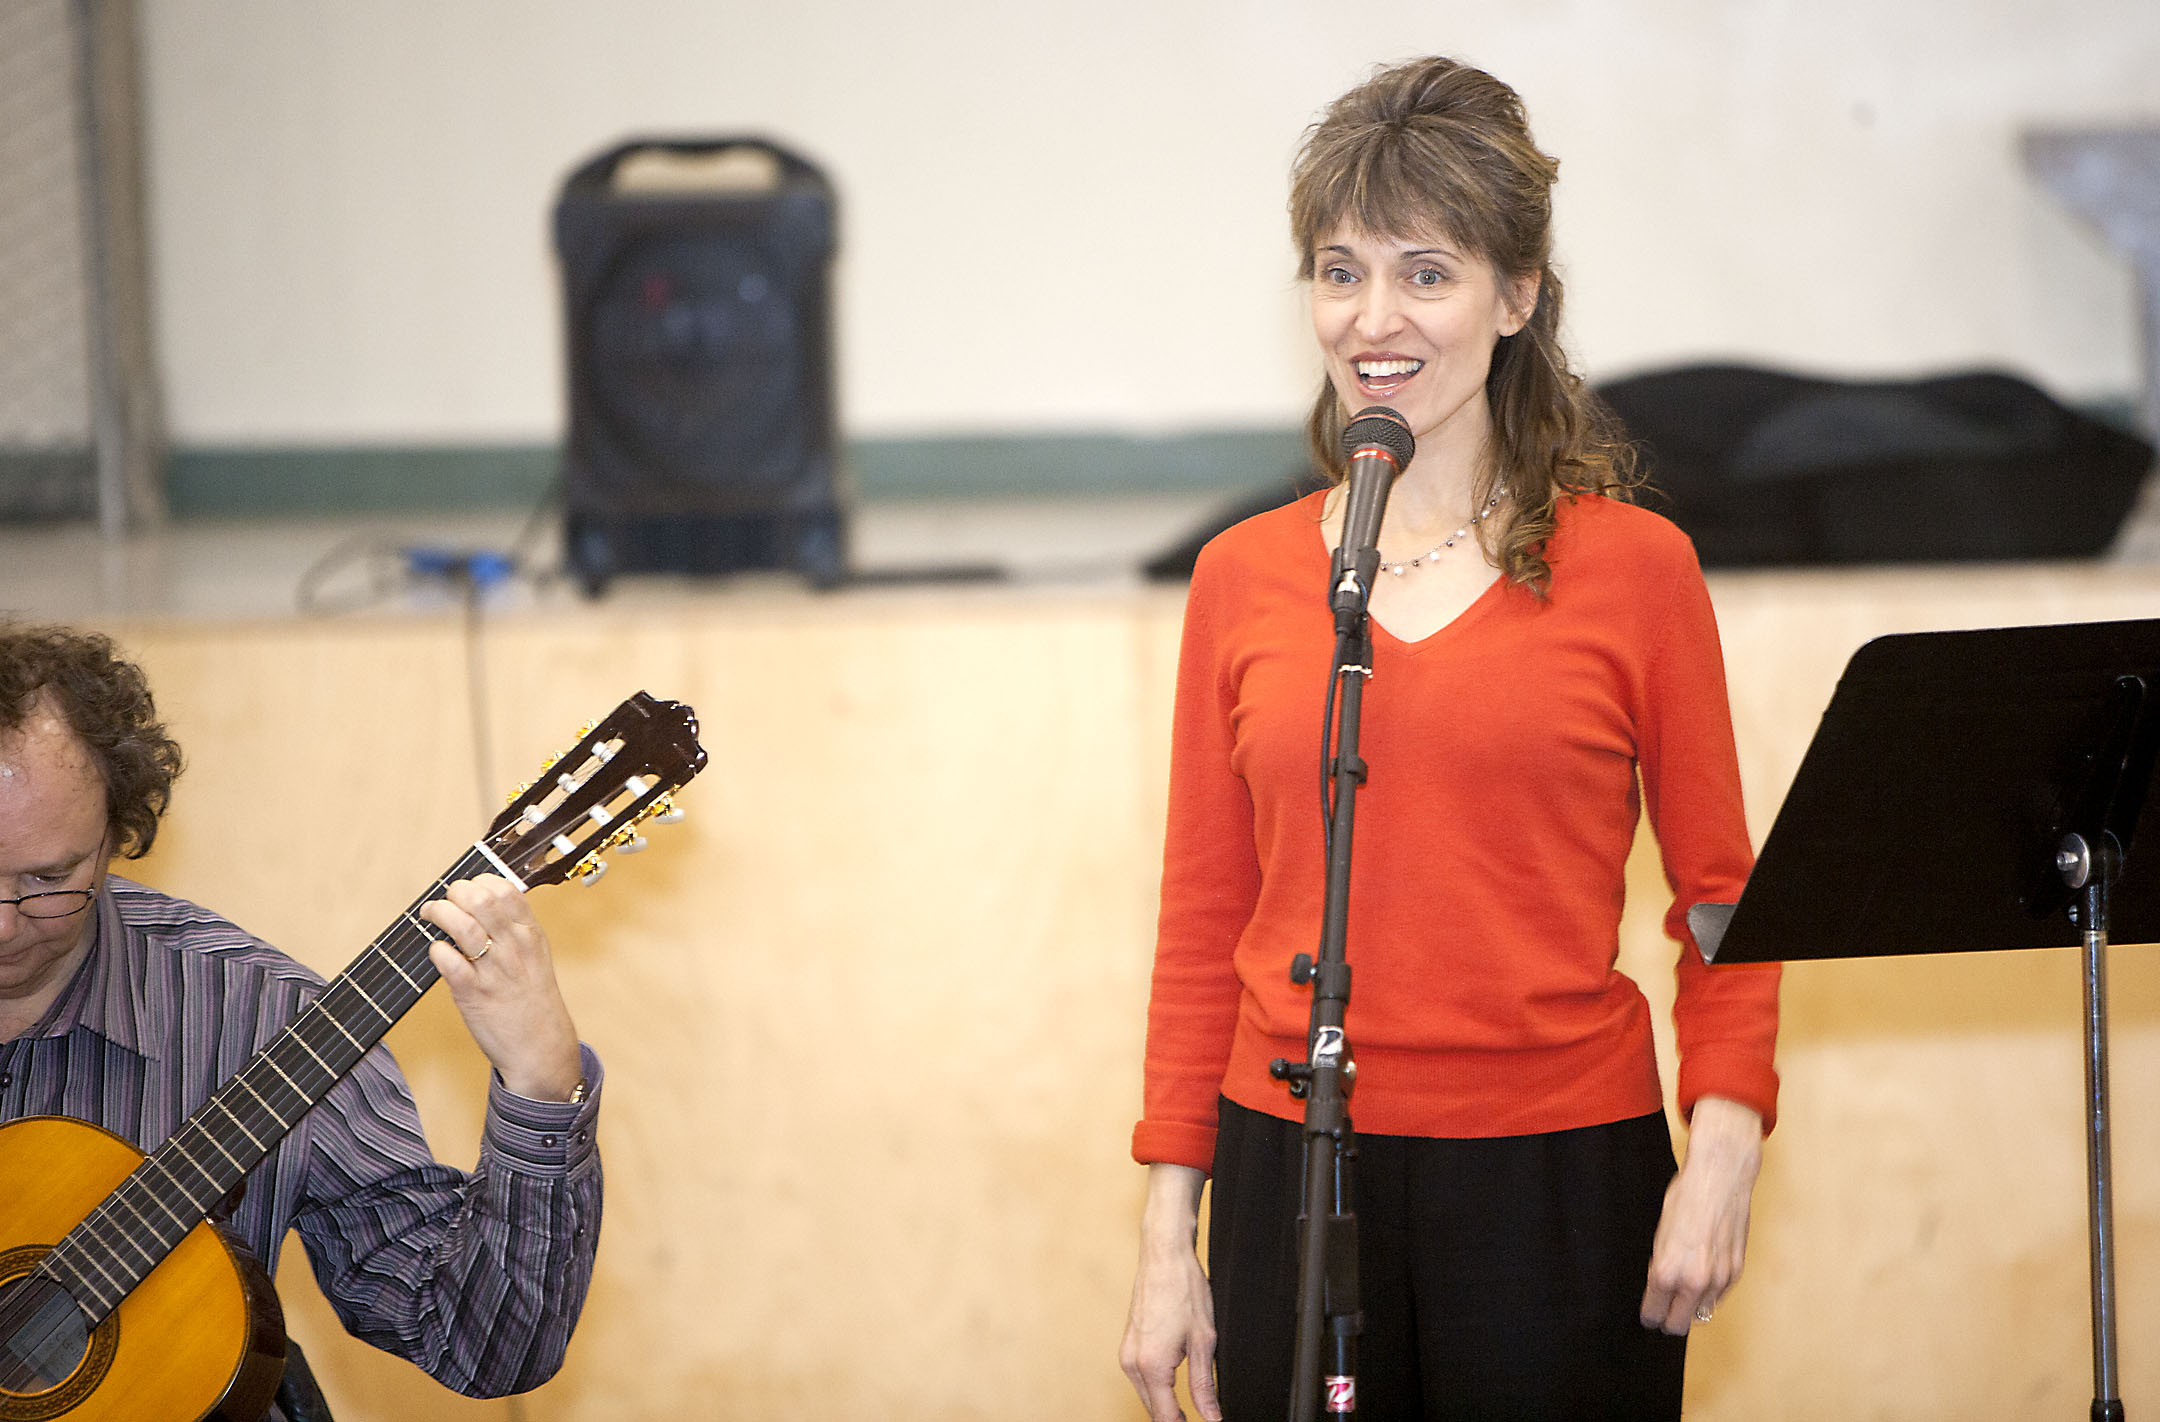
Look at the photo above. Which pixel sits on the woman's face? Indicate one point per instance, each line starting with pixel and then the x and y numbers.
pixel 1410 323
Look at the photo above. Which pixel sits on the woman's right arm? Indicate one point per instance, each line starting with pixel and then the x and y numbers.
pixel 1211 880
pixel 1173 1315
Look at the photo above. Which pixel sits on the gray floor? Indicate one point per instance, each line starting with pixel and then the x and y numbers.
pixel 248 569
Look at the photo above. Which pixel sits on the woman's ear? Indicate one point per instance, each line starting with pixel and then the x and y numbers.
pixel 1522 301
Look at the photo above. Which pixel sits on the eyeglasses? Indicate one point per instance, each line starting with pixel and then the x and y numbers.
pixel 62 903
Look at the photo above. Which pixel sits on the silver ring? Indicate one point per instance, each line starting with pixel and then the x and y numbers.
pixel 1702 1313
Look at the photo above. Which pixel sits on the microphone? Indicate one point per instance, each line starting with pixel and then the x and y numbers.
pixel 1378 443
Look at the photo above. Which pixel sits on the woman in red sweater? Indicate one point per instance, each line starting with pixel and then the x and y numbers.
pixel 1546 667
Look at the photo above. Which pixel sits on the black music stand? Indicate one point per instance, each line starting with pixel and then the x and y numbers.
pixel 1970 791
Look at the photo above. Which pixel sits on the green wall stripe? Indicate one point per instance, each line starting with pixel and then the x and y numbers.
pixel 43 484
pixel 301 480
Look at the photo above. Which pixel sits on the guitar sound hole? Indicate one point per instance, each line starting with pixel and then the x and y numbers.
pixel 42 1336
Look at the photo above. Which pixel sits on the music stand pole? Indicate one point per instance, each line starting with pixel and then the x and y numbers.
pixel 2092 873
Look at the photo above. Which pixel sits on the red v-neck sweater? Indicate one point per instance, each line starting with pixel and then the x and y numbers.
pixel 1490 852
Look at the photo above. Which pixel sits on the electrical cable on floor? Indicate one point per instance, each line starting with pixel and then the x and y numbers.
pixel 380 564
pixel 522 547
pixel 476 699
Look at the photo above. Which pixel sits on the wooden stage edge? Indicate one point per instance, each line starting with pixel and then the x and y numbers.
pixel 872 1015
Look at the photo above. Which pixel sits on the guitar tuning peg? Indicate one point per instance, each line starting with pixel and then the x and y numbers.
pixel 632 845
pixel 666 812
pixel 590 871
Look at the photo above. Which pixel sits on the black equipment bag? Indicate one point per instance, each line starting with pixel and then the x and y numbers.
pixel 1763 467
pixel 702 431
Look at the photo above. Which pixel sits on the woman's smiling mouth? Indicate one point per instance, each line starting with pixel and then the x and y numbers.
pixel 1384 374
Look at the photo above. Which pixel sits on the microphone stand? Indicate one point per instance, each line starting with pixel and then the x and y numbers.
pixel 1327 1242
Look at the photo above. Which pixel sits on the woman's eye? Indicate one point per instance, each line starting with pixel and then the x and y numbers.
pixel 1337 276
pixel 1426 276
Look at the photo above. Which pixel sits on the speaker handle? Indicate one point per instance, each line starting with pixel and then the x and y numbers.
pixel 597 175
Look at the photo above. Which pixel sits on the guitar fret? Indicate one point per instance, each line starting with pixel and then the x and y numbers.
pixel 271 1062
pixel 400 971
pixel 90 1258
pixel 79 1285
pixel 370 1001
pixel 157 1200
pixel 243 1128
pixel 99 1217
pixel 182 1152
pixel 311 1052
pixel 219 1146
pixel 96 1295
pixel 283 1124
pixel 358 1045
pixel 119 1197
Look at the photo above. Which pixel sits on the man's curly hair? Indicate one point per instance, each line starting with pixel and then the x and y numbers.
pixel 106 701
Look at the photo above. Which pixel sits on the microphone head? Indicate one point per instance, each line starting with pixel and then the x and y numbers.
pixel 1378 425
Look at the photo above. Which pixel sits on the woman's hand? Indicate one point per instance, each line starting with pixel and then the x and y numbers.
pixel 1173 1314
pixel 1702 1235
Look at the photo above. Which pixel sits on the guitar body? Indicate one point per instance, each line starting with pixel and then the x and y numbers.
pixel 201 1337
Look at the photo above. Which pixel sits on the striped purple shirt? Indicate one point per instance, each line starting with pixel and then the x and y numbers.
pixel 476 1278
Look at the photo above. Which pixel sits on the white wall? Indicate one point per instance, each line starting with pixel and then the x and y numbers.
pixel 1070 215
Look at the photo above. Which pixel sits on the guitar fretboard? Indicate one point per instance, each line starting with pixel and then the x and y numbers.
pixel 102 1259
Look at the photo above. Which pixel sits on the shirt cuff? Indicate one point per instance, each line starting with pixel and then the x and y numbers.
pixel 1174 1143
pixel 545 1137
pixel 1742 1078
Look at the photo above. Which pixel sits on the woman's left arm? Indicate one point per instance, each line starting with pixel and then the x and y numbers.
pixel 1702 1235
pixel 1725 1017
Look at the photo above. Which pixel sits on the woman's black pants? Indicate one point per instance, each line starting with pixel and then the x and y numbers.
pixel 1501 1278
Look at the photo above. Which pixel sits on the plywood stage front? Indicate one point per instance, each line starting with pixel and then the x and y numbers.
pixel 872 1015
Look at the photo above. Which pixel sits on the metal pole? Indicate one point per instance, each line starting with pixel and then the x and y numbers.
pixel 126 422
pixel 2099 1168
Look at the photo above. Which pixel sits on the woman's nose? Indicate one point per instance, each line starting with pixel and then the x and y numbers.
pixel 1379 313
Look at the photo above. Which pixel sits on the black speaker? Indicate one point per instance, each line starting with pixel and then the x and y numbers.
pixel 698 311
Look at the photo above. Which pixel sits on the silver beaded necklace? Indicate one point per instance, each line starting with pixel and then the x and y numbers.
pixel 1398 569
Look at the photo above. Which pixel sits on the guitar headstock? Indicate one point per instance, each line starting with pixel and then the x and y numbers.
pixel 592 797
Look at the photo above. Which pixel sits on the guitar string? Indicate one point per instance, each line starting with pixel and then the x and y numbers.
pixel 63 1254
pixel 104 1218
pixel 218 1184
pixel 105 1223
pixel 303 1099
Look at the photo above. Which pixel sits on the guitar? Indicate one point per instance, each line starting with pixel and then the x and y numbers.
pixel 118 1300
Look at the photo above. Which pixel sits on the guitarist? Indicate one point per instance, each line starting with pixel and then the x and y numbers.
pixel 126 1007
